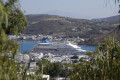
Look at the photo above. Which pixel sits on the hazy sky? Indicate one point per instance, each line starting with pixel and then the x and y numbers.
pixel 78 8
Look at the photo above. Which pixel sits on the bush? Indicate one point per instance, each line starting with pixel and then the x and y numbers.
pixel 104 65
pixel 74 57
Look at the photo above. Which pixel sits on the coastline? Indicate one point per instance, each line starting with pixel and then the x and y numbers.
pixel 88 44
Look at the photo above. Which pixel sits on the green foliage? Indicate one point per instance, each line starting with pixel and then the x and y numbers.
pixel 75 61
pixel 8 69
pixel 12 21
pixel 52 69
pixel 89 53
pixel 104 65
pixel 74 57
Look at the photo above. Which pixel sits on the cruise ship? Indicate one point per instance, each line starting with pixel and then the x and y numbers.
pixel 46 47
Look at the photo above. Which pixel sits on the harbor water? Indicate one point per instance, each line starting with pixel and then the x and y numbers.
pixel 27 45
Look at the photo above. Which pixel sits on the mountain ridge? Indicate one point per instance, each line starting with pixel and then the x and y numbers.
pixel 111 19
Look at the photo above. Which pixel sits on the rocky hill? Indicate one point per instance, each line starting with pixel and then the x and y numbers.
pixel 112 19
pixel 69 27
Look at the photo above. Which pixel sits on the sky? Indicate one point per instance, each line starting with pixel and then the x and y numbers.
pixel 87 9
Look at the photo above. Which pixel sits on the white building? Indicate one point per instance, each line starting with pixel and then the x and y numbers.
pixel 47 77
pixel 32 65
pixel 22 57
pixel 11 37
pixel 36 56
pixel 49 55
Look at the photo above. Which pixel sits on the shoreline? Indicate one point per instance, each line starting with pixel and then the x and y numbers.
pixel 86 44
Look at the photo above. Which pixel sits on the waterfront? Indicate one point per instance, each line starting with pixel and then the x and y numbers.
pixel 27 45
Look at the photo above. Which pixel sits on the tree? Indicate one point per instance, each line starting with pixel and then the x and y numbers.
pixel 12 21
pixel 74 57
pixel 52 69
pixel 104 65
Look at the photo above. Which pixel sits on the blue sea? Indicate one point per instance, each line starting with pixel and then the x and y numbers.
pixel 27 45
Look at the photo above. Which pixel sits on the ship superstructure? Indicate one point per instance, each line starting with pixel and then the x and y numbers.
pixel 46 47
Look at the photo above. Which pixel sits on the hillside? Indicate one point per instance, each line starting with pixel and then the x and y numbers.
pixel 68 27
pixel 112 19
